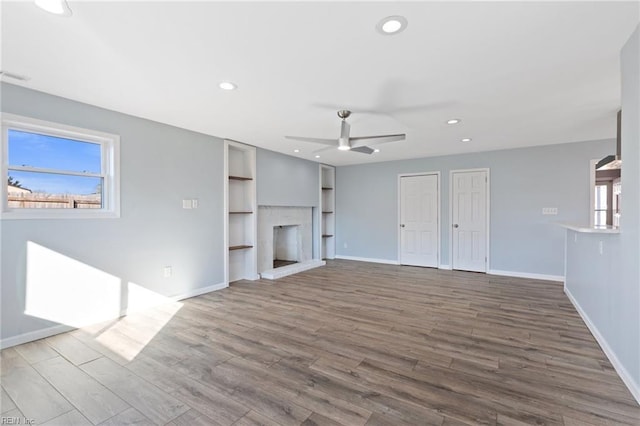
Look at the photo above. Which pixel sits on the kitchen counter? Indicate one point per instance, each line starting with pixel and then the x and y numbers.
pixel 591 229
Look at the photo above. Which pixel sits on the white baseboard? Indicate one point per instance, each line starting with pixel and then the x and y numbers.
pixel 34 335
pixel 62 328
pixel 368 259
pixel 198 291
pixel 628 380
pixel 558 278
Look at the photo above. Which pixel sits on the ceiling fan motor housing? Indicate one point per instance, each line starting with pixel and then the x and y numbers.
pixel 344 113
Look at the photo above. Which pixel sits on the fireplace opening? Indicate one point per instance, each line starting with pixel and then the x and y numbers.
pixel 285 245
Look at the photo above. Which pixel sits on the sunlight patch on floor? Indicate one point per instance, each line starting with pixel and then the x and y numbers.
pixel 129 335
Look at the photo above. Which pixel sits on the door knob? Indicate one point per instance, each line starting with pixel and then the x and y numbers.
pixel 455 225
pixel 402 226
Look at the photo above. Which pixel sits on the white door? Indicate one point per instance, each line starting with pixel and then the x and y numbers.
pixel 469 221
pixel 419 220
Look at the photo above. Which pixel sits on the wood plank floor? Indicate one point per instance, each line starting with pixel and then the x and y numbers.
pixel 351 343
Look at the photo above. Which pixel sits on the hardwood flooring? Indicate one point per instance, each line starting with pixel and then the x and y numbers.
pixel 350 343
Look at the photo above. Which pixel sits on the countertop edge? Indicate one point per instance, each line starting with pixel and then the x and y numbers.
pixel 589 229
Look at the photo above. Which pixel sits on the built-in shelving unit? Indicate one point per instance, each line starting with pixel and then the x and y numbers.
pixel 240 212
pixel 327 207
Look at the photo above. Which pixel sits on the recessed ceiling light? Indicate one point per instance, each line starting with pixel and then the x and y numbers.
pixel 57 7
pixel 227 85
pixel 465 140
pixel 376 150
pixel 454 121
pixel 296 150
pixel 392 25
pixel 317 156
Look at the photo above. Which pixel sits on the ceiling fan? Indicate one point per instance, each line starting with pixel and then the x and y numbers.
pixel 347 143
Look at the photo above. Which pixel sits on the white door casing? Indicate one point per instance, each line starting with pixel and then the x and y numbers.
pixel 469 220
pixel 419 220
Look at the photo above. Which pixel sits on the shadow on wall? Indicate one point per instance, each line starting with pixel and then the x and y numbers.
pixel 69 292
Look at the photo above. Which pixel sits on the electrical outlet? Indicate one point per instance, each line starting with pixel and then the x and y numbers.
pixel 345 245
pixel 601 247
pixel 187 204
pixel 167 271
pixel 550 210
pixel 194 203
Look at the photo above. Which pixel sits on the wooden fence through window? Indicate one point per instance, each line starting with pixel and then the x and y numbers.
pixel 54 201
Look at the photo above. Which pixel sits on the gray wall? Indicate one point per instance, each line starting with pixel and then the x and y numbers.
pixel 284 180
pixel 607 286
pixel 523 181
pixel 160 165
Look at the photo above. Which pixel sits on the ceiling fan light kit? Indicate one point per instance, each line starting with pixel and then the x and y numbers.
pixel 343 144
pixel 347 143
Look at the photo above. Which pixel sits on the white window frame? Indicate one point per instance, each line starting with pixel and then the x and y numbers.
pixel 110 158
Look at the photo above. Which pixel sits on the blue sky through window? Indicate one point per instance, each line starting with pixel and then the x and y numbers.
pixel 50 152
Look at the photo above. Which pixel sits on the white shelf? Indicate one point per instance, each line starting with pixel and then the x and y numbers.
pixel 240 212
pixel 327 212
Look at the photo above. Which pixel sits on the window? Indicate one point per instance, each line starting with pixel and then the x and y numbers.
pixel 56 171
pixel 600 211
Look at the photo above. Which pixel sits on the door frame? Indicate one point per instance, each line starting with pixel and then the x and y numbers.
pixel 438 209
pixel 487 266
pixel 592 190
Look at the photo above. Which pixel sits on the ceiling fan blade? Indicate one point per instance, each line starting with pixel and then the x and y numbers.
pixel 363 149
pixel 353 108
pixel 326 148
pixel 376 140
pixel 314 140
pixel 421 108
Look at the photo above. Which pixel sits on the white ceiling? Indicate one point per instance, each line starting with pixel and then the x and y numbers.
pixel 517 73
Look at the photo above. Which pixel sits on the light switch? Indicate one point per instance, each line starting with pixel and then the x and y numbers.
pixel 187 204
pixel 194 203
pixel 549 210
